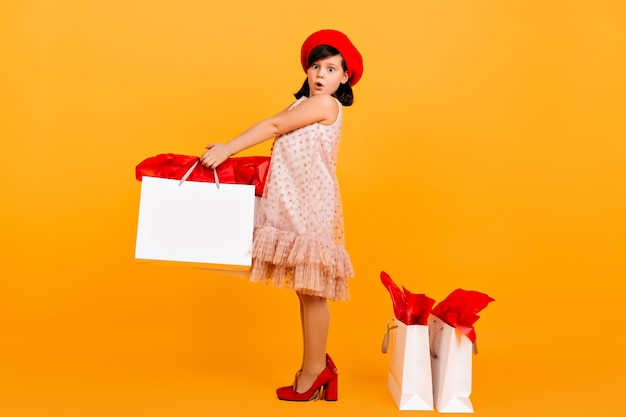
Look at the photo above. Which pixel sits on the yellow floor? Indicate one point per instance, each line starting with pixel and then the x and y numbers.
pixel 137 369
pixel 122 388
pixel 189 344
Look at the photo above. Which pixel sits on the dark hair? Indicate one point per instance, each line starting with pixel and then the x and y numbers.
pixel 344 92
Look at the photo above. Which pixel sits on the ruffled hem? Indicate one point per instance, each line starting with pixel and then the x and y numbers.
pixel 302 263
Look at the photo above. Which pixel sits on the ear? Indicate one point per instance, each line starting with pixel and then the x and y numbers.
pixel 345 77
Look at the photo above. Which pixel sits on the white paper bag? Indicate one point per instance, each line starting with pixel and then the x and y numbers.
pixel 197 223
pixel 409 380
pixel 451 359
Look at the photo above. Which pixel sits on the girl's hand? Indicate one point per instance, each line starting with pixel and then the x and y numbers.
pixel 215 154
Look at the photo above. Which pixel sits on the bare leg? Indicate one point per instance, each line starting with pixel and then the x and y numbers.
pixel 302 323
pixel 316 323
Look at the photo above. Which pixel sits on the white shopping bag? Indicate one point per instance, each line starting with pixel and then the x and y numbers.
pixel 409 380
pixel 196 222
pixel 451 359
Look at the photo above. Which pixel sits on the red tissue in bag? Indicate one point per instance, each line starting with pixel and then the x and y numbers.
pixel 459 310
pixel 249 170
pixel 409 308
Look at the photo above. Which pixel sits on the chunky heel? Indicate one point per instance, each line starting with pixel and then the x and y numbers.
pixel 331 388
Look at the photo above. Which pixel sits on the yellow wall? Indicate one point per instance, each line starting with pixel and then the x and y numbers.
pixel 485 150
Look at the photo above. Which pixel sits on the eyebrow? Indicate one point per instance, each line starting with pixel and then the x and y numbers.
pixel 330 64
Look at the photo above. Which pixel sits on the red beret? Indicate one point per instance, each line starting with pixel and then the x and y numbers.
pixel 339 41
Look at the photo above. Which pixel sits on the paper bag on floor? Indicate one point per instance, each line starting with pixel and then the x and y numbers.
pixel 452 344
pixel 409 379
pixel 451 363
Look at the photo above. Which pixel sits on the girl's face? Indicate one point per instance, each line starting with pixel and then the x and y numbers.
pixel 326 75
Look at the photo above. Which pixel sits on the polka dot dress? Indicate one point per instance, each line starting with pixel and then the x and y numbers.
pixel 299 234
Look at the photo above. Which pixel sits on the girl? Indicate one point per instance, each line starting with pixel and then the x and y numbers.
pixel 298 238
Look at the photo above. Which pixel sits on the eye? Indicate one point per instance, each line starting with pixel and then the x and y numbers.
pixel 315 66
pixel 331 69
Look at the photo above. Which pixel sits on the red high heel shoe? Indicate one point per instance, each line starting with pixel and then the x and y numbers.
pixel 325 386
pixel 282 390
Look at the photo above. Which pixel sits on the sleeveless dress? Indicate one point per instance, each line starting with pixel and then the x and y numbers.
pixel 299 235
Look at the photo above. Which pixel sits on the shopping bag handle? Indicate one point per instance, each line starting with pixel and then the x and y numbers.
pixel 437 336
pixel 190 170
pixel 385 344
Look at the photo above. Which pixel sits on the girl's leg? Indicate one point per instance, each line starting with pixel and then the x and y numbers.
pixel 315 326
pixel 303 326
pixel 302 323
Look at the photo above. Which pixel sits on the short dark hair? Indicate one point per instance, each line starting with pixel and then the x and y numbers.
pixel 344 92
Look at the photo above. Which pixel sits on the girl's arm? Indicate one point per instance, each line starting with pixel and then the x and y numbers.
pixel 317 109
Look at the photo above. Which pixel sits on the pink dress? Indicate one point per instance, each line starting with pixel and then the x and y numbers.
pixel 299 234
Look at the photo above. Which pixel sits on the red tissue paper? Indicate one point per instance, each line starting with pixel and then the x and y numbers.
pixel 249 170
pixel 409 308
pixel 459 310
